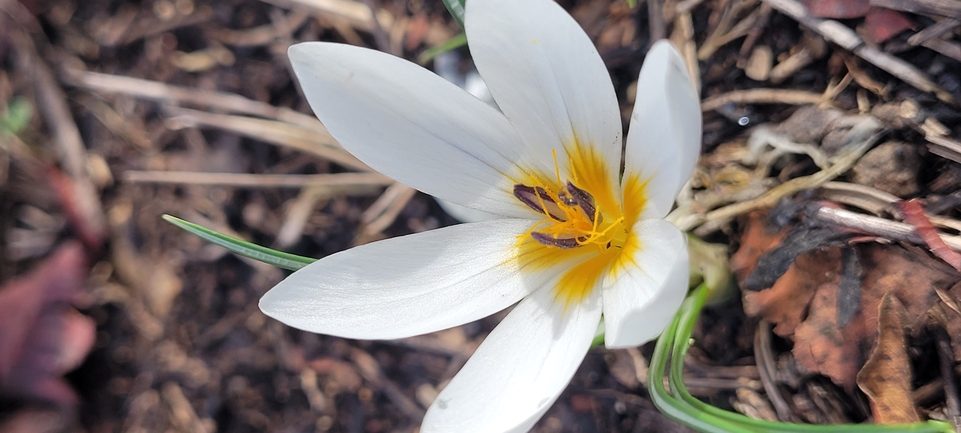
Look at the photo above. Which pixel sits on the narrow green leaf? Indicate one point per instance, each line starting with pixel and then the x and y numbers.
pixel 456 9
pixel 671 406
pixel 631 3
pixel 450 44
pixel 279 259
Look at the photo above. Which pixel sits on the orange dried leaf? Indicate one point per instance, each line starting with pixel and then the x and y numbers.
pixel 886 376
pixel 821 346
pixel 784 304
pixel 756 240
pixel 803 303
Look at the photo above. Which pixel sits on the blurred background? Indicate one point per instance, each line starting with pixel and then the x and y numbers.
pixel 113 113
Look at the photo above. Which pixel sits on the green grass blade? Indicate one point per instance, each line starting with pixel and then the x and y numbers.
pixel 456 9
pixel 279 259
pixel 448 45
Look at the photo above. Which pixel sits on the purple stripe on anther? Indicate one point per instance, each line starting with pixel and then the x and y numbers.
pixel 565 243
pixel 583 199
pixel 539 200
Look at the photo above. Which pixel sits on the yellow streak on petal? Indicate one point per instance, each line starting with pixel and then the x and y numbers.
pixel 634 198
pixel 626 257
pixel 536 256
pixel 579 281
pixel 582 268
pixel 592 174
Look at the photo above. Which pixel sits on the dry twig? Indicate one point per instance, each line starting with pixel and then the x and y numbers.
pixel 761 96
pixel 247 180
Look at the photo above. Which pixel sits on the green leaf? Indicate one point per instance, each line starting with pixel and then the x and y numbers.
pixel 279 259
pixel 599 335
pixel 18 116
pixel 631 3
pixel 456 9
pixel 450 44
pixel 670 405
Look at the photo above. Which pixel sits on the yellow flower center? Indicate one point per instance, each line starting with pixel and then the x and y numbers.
pixel 572 219
pixel 586 225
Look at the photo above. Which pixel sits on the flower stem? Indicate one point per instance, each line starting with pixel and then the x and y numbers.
pixel 688 410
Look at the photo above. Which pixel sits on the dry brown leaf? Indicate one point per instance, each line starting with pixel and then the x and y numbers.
pixel 886 377
pixel 953 318
pixel 803 303
pixel 756 239
pixel 783 304
pixel 910 274
pixel 822 347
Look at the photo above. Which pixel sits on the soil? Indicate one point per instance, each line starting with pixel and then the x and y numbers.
pixel 114 113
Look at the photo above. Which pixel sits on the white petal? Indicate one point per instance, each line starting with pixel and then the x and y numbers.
pixel 408 285
pixel 519 370
pixel 664 139
pixel 547 78
pixel 465 214
pixel 641 299
pixel 412 125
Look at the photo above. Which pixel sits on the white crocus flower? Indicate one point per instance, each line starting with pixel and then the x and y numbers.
pixel 576 238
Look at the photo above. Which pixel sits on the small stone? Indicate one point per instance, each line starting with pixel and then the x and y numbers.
pixel 891 167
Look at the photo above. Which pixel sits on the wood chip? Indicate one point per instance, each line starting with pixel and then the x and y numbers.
pixel 758 66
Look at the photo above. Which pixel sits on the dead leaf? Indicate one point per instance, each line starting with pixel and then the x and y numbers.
pixel 953 318
pixel 881 24
pixel 886 377
pixel 838 8
pixel 803 303
pixel 758 237
pixel 784 304
pixel 910 274
pixel 41 335
pixel 821 346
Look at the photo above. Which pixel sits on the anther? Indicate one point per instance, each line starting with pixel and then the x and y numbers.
pixel 551 241
pixel 540 200
pixel 582 199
